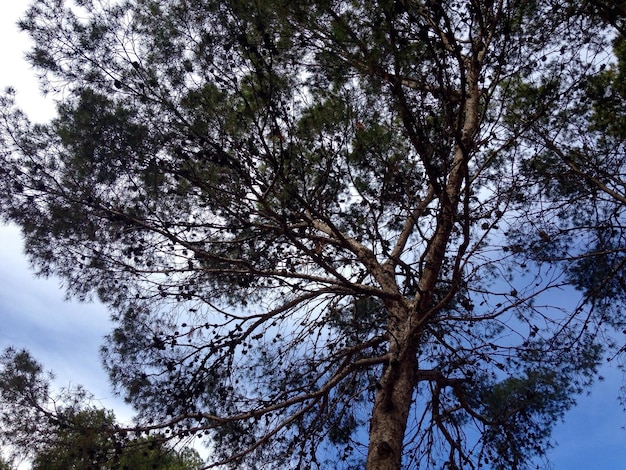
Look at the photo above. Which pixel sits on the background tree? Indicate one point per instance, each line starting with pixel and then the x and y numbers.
pixel 299 216
pixel 67 432
pixel 90 440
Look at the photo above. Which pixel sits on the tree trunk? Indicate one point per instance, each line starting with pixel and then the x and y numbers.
pixel 391 411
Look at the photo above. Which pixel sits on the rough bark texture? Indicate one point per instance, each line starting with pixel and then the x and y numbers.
pixel 391 410
pixel 399 378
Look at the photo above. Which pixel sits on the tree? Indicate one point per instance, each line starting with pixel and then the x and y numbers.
pixel 66 432
pixel 317 224
pixel 91 441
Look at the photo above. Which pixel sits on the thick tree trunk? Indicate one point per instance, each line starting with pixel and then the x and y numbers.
pixel 399 379
pixel 391 411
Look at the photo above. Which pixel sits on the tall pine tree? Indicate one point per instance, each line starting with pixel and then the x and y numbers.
pixel 325 228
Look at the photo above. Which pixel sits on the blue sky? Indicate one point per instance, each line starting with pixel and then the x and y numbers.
pixel 66 336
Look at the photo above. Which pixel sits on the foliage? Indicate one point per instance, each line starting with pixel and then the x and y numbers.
pixel 579 173
pixel 67 432
pixel 307 217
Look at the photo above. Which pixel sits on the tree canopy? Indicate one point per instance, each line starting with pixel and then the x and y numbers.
pixel 66 431
pixel 364 234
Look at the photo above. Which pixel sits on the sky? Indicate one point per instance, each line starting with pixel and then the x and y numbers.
pixel 66 336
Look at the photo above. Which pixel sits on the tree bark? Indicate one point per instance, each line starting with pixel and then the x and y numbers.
pixel 399 378
pixel 394 395
pixel 390 414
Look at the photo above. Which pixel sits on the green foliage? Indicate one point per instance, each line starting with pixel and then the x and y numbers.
pixel 24 391
pixel 581 183
pixel 89 442
pixel 607 93
pixel 81 441
pixel 67 432
pixel 519 405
